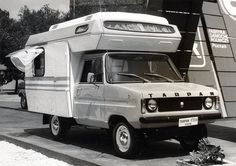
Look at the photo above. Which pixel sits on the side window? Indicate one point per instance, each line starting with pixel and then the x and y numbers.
pixel 39 65
pixel 87 69
pixel 97 70
pixel 92 66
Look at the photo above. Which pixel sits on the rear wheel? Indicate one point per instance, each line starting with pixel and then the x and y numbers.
pixel 23 102
pixel 124 140
pixel 58 127
pixel 191 140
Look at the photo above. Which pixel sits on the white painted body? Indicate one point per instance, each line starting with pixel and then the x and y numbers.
pixel 60 92
pixel 95 104
pixel 50 94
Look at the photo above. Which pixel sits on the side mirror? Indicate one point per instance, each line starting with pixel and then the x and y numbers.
pixel 90 77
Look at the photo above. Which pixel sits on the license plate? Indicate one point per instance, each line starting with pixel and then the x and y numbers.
pixel 183 122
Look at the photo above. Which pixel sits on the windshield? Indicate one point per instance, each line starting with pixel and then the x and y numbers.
pixel 138 67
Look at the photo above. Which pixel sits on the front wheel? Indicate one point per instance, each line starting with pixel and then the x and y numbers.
pixel 124 140
pixel 58 127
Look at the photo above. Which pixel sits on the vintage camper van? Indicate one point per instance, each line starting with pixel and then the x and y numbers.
pixel 109 70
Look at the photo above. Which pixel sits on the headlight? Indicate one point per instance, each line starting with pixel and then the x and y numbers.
pixel 208 103
pixel 151 105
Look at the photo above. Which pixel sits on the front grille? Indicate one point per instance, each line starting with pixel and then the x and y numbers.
pixel 180 104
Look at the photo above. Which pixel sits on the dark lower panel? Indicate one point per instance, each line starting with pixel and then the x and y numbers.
pixel 221 50
pixel 185 22
pixel 211 8
pixel 215 22
pixel 231 109
pixel 194 6
pixel 225 64
pixel 227 79
pixel 229 94
pixel 202 77
pixel 233 45
pixel 230 24
pixel 200 63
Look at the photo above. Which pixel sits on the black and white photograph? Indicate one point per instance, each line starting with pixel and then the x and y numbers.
pixel 118 82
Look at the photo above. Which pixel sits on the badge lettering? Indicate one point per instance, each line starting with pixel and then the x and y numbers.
pixel 176 94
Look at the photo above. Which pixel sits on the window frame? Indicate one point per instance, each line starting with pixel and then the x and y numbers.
pixel 93 59
pixel 41 66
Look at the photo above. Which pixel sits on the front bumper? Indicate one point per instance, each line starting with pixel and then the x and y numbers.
pixel 165 121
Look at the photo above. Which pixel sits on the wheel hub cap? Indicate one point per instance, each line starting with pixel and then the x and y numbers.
pixel 123 138
pixel 55 125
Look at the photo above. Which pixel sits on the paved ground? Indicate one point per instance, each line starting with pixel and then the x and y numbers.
pixel 12 155
pixel 94 147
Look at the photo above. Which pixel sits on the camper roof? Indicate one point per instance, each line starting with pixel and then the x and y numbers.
pixel 114 16
pixel 113 31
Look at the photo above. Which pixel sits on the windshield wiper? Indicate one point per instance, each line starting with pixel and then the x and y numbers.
pixel 133 75
pixel 158 75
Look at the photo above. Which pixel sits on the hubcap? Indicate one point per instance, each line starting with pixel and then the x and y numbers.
pixel 55 125
pixel 123 138
pixel 23 102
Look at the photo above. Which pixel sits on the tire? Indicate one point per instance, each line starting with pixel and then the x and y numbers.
pixel 190 142
pixel 124 140
pixel 23 102
pixel 58 127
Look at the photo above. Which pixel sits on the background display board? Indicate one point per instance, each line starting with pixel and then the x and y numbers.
pixel 207 52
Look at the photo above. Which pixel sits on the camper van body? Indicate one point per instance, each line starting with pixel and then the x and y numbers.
pixel 61 84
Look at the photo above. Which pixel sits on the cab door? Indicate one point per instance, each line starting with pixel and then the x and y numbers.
pixel 90 94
